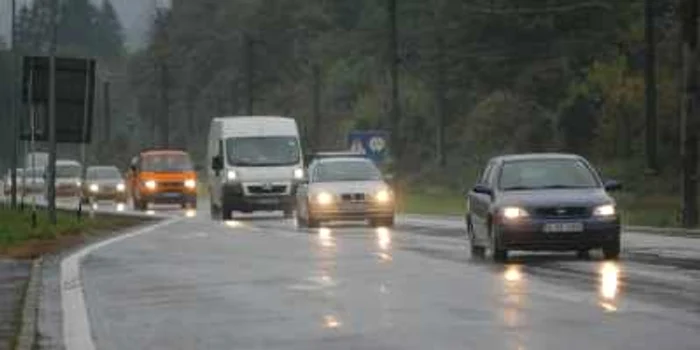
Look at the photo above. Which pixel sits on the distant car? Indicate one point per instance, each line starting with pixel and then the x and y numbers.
pixel 104 183
pixel 34 180
pixel 8 184
pixel 547 202
pixel 162 176
pixel 68 175
pixel 342 188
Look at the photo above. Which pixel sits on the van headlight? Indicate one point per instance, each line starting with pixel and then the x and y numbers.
pixel 298 174
pixel 606 210
pixel 151 185
pixel 231 175
pixel 190 184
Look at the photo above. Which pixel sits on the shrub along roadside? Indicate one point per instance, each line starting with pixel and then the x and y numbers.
pixel 19 240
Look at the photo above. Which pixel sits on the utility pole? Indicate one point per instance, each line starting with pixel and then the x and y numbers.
pixel 440 100
pixel 691 108
pixel 249 73
pixel 395 114
pixel 650 82
pixel 51 168
pixel 13 110
pixel 106 103
pixel 316 108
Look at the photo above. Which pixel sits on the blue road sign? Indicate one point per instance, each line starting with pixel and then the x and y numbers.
pixel 372 143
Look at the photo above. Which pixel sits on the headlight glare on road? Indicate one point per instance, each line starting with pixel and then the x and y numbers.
pixel 383 196
pixel 513 213
pixel 324 198
pixel 121 187
pixel 191 184
pixel 231 175
pixel 151 185
pixel 298 174
pixel 94 188
pixel 605 210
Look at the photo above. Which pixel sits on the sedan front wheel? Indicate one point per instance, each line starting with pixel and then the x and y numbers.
pixel 498 254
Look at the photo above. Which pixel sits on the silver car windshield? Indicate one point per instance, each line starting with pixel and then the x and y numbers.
pixel 350 170
pixel 103 173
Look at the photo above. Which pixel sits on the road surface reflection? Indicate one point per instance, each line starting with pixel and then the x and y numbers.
pixel 609 285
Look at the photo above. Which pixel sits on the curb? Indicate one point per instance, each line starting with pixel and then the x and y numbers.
pixel 27 334
pixel 667 231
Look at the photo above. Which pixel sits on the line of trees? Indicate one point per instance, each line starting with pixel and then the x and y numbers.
pixel 476 78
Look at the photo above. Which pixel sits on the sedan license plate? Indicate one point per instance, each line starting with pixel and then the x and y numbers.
pixel 268 201
pixel 563 227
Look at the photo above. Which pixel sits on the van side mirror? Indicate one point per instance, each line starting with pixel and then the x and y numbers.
pixel 612 185
pixel 217 164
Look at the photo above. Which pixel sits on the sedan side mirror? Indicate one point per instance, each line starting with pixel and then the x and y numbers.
pixel 612 185
pixel 483 189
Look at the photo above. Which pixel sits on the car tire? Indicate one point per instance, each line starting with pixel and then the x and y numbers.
pixel 301 222
pixel 385 222
pixel 583 254
pixel 611 251
pixel 288 212
pixel 312 222
pixel 477 251
pixel 214 211
pixel 498 254
pixel 226 211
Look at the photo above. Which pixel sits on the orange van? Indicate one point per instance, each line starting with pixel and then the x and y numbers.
pixel 162 176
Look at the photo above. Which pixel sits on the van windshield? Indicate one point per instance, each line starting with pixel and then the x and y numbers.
pixel 262 151
pixel 166 162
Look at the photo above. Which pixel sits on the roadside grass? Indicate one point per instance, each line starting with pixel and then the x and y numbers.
pixel 18 239
pixel 655 210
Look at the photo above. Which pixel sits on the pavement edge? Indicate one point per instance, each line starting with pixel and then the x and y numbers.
pixel 28 324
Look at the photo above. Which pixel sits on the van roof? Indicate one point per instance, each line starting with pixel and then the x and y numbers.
pixel 251 126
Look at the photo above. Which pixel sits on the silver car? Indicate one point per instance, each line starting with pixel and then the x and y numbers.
pixel 104 183
pixel 344 188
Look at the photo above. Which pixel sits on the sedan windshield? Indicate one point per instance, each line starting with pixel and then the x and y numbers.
pixel 103 173
pixel 350 170
pixel 549 173
pixel 262 151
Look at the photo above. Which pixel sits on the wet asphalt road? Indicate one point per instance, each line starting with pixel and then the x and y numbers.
pixel 260 283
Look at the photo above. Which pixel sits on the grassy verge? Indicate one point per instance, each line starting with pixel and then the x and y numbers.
pixel 18 239
pixel 638 210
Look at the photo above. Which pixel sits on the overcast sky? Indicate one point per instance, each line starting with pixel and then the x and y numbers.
pixel 134 14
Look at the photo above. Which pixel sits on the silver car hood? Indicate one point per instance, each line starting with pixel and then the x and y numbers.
pixel 342 187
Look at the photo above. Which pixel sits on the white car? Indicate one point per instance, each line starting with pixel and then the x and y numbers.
pixel 341 188
pixel 34 181
pixel 68 175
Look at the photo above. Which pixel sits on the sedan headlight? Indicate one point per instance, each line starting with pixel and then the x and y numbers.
pixel 191 184
pixel 231 175
pixel 298 174
pixel 121 187
pixel 606 210
pixel 324 198
pixel 94 188
pixel 513 213
pixel 383 196
pixel 151 185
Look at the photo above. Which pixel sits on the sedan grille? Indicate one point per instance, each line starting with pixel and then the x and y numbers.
pixel 562 212
pixel 353 197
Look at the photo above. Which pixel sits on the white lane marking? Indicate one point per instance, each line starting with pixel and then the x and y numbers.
pixel 77 334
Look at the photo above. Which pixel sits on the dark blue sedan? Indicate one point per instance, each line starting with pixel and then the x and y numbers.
pixel 542 202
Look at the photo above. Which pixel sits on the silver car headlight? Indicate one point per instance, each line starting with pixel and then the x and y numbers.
pixel 121 187
pixel 383 196
pixel 94 188
pixel 323 198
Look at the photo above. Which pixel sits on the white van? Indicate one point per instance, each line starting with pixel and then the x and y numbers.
pixel 255 164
